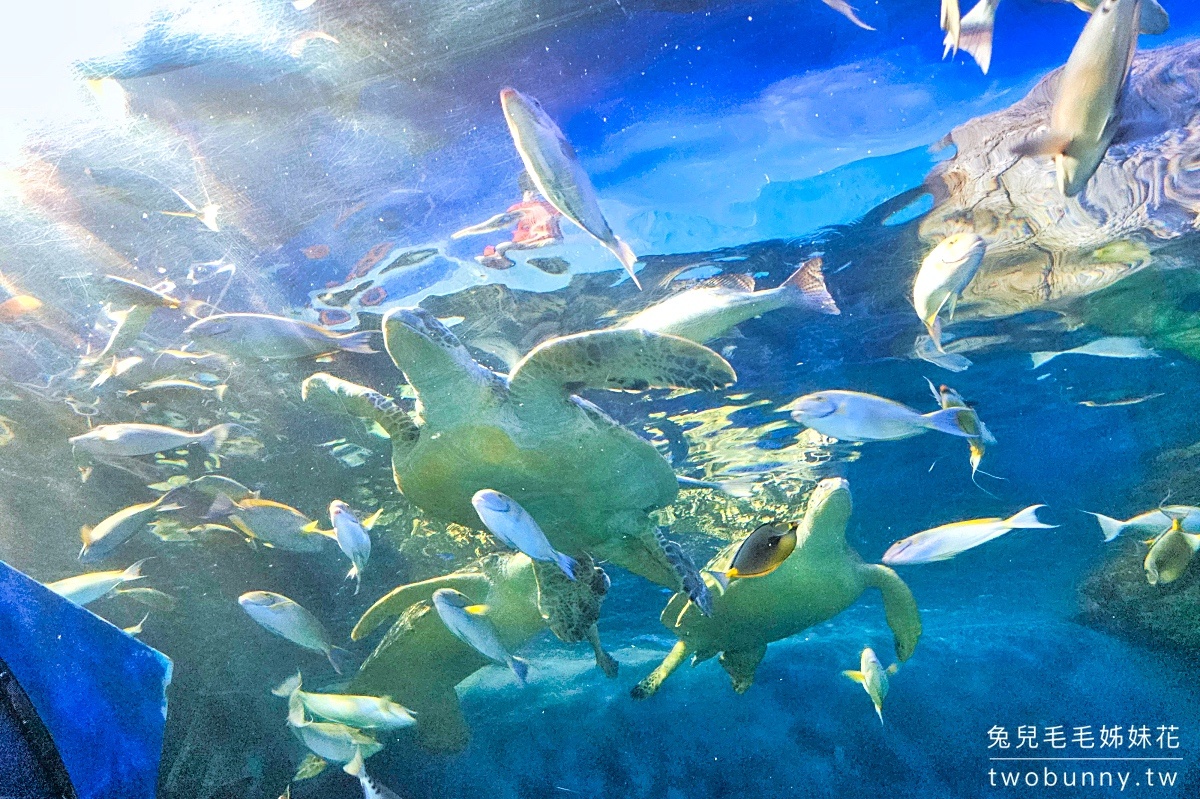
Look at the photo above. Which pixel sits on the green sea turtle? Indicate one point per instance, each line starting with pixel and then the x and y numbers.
pixel 820 579
pixel 1045 250
pixel 419 662
pixel 588 482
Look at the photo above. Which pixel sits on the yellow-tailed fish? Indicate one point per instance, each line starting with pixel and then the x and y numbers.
pixel 288 619
pixel 719 304
pixel 84 589
pixel 760 553
pixel 103 539
pixel 336 743
pixel 469 623
pixel 873 677
pixel 854 416
pixel 504 518
pixel 1083 118
pixel 351 536
pixel 360 712
pixel 271 523
pixel 131 439
pixel 1171 553
pixel 1152 522
pixel 980 435
pixel 943 543
pixel 942 278
pixel 554 167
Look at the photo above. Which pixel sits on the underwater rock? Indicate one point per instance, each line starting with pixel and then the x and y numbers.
pixel 1117 598
pixel 1044 250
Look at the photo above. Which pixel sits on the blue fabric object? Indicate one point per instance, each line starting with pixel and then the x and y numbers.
pixel 100 692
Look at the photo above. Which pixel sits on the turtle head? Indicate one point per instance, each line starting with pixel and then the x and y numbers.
pixel 430 356
pixel 825 519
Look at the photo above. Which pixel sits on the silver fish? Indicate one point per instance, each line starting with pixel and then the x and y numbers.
pixel 372 789
pixel 943 543
pixel 288 619
pixel 873 677
pixel 84 589
pixel 945 272
pixel 132 439
pixel 468 622
pixel 855 416
pixel 1152 522
pixel 352 537
pixel 717 305
pixel 1152 20
pixel 103 539
pixel 1083 119
pixel 262 336
pixel 551 162
pixel 1108 347
pixel 512 524
pixel 360 712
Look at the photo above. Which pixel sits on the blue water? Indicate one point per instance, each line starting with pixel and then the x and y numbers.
pixel 720 136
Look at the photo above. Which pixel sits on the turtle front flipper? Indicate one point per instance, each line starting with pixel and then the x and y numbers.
pixel 619 360
pixel 898 605
pixel 399 599
pixel 651 683
pixel 334 394
pixel 642 555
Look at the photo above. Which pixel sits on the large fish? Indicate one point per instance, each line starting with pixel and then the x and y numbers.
pixel 855 416
pixel 551 162
pixel 262 336
pixel 269 522
pixel 132 439
pixel 288 619
pixel 943 543
pixel 87 588
pixel 360 712
pixel 1151 522
pixel 873 677
pixel 942 278
pixel 469 623
pixel 720 303
pixel 1083 119
pixel 512 524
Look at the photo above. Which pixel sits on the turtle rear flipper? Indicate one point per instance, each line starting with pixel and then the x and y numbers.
pixel 650 685
pixel 741 664
pixel 399 599
pixel 363 402
pixel 441 726
pixel 620 360
pixel 898 605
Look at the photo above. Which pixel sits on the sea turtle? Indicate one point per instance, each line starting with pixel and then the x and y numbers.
pixel 588 482
pixel 820 579
pixel 419 662
pixel 1045 250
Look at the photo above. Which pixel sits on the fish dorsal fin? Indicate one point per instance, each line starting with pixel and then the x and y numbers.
pixel 730 282
pixel 619 360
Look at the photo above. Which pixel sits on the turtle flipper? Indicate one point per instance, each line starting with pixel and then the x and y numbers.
pixel 604 661
pixel 741 665
pixel 336 394
pixel 642 555
pixel 650 685
pixel 620 360
pixel 441 726
pixel 899 606
pixel 399 599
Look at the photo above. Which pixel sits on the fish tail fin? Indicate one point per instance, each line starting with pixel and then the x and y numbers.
pixel 738 487
pixel 879 708
pixel 934 329
pixel 520 668
pixel 855 675
pixel 215 436
pixel 975 33
pixel 356 767
pixel 288 686
pixel 1111 527
pixel 1027 520
pixel 627 258
pixel 807 286
pixel 134 572
pixel 296 711
pixel 220 391
pixel 1040 358
pixel 567 564
pixel 220 508
pixel 361 341
pixel 355 575
pixel 341 660
pixel 722 579
pixel 948 420
pixel 1047 142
